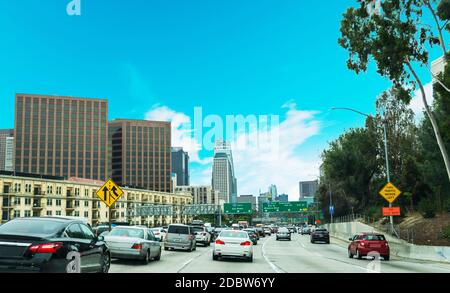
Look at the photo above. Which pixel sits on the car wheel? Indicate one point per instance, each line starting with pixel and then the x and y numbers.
pixel 350 254
pixel 166 248
pixel 312 241
pixel 158 257
pixel 277 239
pixel 106 263
pixel 215 257
pixel 387 257
pixel 250 258
pixel 146 258
pixel 358 255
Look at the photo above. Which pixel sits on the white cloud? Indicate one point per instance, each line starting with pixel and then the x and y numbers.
pixel 272 158
pixel 417 104
pixel 181 131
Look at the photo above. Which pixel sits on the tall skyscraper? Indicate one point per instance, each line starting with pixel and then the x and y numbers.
pixel 273 192
pixel 308 188
pixel 223 178
pixel 61 136
pixel 140 152
pixel 180 166
pixel 9 154
pixel 248 198
pixel 6 135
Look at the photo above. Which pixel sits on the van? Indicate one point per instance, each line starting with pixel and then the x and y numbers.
pixel 180 236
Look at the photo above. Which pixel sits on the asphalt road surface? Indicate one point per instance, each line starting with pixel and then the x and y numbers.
pixel 271 256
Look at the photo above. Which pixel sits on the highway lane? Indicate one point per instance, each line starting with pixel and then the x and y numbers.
pixel 271 256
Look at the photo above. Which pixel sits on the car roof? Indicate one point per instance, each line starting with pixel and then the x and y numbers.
pixel 132 227
pixel 371 233
pixel 60 219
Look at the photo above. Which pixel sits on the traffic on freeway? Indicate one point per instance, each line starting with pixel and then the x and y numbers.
pixel 60 244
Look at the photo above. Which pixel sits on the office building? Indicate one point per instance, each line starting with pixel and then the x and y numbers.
pixel 141 154
pixel 248 199
pixel 273 192
pixel 223 178
pixel 34 195
pixel 61 136
pixel 262 199
pixel 200 194
pixel 282 198
pixel 6 137
pixel 180 166
pixel 308 188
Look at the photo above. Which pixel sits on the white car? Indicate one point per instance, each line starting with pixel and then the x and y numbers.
pixel 160 233
pixel 233 244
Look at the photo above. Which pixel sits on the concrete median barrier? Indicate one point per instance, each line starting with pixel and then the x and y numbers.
pixel 400 248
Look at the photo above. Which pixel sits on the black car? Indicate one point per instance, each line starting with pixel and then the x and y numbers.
pixel 51 245
pixel 253 235
pixel 260 232
pixel 320 234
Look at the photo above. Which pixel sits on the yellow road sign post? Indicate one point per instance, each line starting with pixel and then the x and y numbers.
pixel 109 193
pixel 390 192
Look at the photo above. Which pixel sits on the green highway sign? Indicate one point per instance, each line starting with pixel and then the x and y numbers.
pixel 292 206
pixel 237 208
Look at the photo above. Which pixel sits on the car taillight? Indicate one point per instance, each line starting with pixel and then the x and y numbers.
pixel 137 246
pixel 362 243
pixel 218 241
pixel 45 248
pixel 387 245
pixel 157 233
pixel 246 243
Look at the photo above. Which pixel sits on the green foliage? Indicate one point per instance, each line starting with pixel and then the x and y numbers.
pixel 427 208
pixel 445 233
pixel 443 10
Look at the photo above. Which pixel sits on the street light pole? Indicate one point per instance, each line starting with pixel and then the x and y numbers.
pixel 331 203
pixel 388 176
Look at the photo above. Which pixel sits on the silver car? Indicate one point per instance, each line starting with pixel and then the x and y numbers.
pixel 129 242
pixel 180 236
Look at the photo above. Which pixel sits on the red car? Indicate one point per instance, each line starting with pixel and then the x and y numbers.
pixel 366 243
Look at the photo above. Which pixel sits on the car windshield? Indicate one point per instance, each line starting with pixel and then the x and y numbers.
pixel 233 234
pixel 178 229
pixel 127 232
pixel 32 227
pixel 321 230
pixel 373 237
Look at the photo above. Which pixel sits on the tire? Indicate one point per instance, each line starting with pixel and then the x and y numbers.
pixel 327 242
pixel 290 239
pixel 158 257
pixel 387 257
pixel 359 256
pixel 250 258
pixel 106 263
pixel 350 254
pixel 166 248
pixel 277 239
pixel 312 241
pixel 215 257
pixel 146 258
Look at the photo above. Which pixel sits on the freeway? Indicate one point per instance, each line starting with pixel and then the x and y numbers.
pixel 271 256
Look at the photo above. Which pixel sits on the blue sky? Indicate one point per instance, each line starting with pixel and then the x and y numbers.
pixel 165 57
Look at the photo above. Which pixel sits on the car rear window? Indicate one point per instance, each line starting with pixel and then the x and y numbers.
pixel 126 232
pixel 283 230
pixel 233 234
pixel 321 230
pixel 374 238
pixel 32 227
pixel 178 229
pixel 197 229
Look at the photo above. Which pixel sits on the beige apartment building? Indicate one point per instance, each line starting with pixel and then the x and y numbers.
pixel 29 196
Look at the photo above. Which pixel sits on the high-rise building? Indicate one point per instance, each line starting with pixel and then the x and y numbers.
pixel 61 136
pixel 262 199
pixel 273 192
pixel 282 198
pixel 200 194
pixel 5 134
pixel 180 166
pixel 140 154
pixel 308 188
pixel 9 154
pixel 248 199
pixel 223 178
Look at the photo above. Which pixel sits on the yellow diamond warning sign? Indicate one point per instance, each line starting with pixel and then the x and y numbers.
pixel 390 192
pixel 109 193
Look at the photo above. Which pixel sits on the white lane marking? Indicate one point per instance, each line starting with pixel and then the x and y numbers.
pixel 185 264
pixel 271 264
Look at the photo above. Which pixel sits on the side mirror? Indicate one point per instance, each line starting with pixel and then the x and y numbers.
pixel 351 239
pixel 100 238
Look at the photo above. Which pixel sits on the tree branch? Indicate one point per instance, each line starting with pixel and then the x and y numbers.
pixel 441 38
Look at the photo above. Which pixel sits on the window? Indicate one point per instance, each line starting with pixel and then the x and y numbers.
pixel 86 214
pixel 49 213
pixel 58 202
pixel 86 203
pixel 17 201
pixel 74 231
pixel 27 201
pixel 49 189
pixel 77 191
pixel 58 213
pixel 27 214
pixel 17 187
pixel 77 214
pixel 58 190
pixel 49 202
pixel 77 203
pixel 16 214
pixel 88 234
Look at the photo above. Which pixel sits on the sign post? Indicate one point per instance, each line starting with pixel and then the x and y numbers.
pixel 109 193
pixel 390 193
